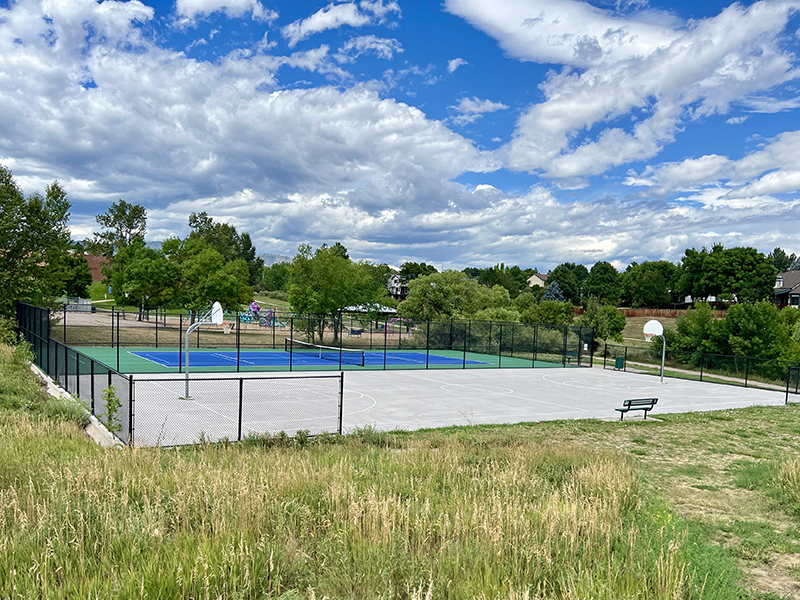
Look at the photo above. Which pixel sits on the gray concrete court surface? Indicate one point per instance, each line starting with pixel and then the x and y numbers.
pixel 422 399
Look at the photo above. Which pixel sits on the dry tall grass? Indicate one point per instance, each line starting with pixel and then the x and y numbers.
pixel 482 519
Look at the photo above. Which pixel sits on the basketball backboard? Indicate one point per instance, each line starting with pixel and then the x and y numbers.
pixel 652 328
pixel 216 314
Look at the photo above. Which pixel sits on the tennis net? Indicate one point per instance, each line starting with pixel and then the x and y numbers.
pixel 347 356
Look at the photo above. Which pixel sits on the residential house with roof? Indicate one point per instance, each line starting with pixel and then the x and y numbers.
pixel 787 290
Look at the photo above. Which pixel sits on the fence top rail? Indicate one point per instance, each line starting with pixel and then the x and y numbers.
pixel 183 379
pixel 90 359
pixel 739 356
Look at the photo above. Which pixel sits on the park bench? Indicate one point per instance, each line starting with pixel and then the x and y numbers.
pixel 645 404
pixel 354 332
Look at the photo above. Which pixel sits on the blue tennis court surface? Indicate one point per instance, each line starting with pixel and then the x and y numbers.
pixel 251 358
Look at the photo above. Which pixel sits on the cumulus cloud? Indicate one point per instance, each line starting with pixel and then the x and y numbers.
pixel 666 72
pixel 471 109
pixel 189 11
pixel 90 100
pixel 452 65
pixel 382 47
pixel 334 16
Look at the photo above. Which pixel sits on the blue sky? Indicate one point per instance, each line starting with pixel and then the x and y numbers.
pixel 458 133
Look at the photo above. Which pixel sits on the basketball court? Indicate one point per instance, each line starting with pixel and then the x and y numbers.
pixel 412 400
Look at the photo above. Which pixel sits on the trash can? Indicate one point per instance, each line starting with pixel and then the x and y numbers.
pixel 619 362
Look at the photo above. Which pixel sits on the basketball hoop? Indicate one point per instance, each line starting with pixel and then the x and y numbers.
pixel 211 317
pixel 652 328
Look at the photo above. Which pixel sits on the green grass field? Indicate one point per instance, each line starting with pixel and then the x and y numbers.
pixel 702 505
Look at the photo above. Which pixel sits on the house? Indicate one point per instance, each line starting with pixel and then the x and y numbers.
pixel 538 280
pixel 787 290
pixel 397 288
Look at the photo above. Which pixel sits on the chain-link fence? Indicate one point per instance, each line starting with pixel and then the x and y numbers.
pixel 792 382
pixel 156 411
pixel 746 371
pixel 233 408
pixel 126 340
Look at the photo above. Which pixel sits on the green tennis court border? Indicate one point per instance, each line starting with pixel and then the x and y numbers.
pixel 125 361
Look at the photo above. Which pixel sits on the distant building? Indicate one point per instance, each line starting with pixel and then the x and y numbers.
pixel 538 280
pixel 787 290
pixel 397 288
pixel 95 266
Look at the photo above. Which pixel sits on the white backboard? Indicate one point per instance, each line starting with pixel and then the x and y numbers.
pixel 216 314
pixel 653 327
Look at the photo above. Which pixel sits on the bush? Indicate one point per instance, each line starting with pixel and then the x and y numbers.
pixel 68 408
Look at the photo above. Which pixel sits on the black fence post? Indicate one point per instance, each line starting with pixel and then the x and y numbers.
pixel 341 399
pixel 535 342
pixel 238 346
pixel 500 348
pixel 77 374
pixel 130 411
pixel 702 363
pixel 65 324
pixel 291 337
pixel 180 343
pixel 385 340
pixel 156 326
pixel 513 326
pixel 427 345
pixel 241 396
pixel 117 341
pixel 91 367
pixel 625 366
pixel 564 351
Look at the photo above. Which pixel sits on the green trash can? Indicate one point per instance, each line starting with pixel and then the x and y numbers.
pixel 619 363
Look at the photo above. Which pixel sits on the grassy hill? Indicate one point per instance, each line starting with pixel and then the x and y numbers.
pixel 691 506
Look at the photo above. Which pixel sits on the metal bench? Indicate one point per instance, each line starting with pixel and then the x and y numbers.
pixel 354 332
pixel 645 404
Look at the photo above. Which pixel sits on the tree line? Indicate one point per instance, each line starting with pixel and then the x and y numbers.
pixel 217 262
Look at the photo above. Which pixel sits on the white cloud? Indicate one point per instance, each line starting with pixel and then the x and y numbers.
pixel 334 16
pixel 667 72
pixel 324 164
pixel 470 109
pixel 382 47
pixel 736 120
pixel 452 65
pixel 189 11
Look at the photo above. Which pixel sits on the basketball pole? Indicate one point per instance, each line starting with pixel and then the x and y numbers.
pixel 663 354
pixel 215 319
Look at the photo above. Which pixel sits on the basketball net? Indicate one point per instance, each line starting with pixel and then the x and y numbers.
pixel 648 337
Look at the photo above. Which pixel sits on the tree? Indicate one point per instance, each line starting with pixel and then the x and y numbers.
pixel 123 223
pixel 606 321
pixel 735 274
pixel 741 274
pixel 451 294
pixel 780 260
pixel 276 277
pixel 324 282
pixel 511 278
pixel 553 292
pixel 570 278
pixel 78 276
pixel 603 283
pixel 649 285
pixel 411 270
pixel 230 244
pixel 551 312
pixel 751 330
pixel 34 243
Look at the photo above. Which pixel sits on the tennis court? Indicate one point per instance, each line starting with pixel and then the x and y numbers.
pixel 210 360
